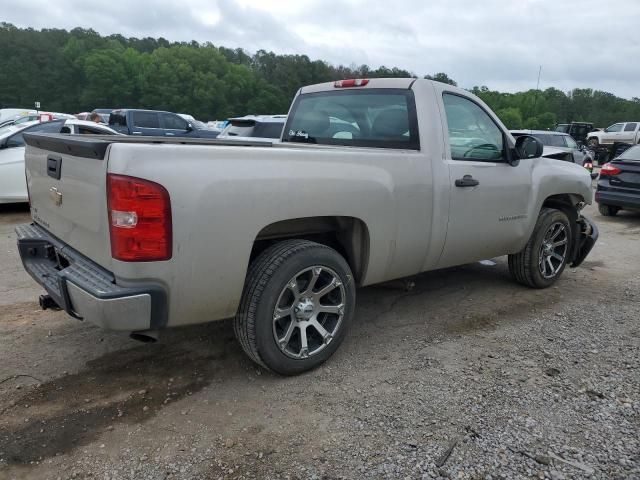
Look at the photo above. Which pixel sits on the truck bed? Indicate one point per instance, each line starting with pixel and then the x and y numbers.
pixel 95 146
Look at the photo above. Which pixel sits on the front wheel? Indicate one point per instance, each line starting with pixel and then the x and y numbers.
pixel 593 142
pixel 541 262
pixel 297 303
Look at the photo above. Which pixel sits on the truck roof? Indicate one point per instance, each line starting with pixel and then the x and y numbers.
pixel 372 83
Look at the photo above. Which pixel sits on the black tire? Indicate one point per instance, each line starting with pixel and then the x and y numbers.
pixel 593 142
pixel 524 266
pixel 608 210
pixel 268 275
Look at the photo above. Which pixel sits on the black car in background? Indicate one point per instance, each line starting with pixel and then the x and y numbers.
pixel 578 130
pixel 619 183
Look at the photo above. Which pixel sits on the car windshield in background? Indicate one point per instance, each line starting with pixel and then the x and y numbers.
pixel 632 154
pixel 550 140
pixel 359 118
pixel 562 128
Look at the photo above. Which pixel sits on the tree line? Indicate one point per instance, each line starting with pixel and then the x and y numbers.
pixel 79 70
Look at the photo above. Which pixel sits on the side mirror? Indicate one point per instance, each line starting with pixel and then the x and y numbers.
pixel 189 127
pixel 528 147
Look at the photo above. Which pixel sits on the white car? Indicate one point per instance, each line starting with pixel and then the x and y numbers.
pixel 254 127
pixel 13 186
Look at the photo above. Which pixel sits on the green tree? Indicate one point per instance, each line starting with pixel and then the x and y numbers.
pixel 441 77
pixel 511 117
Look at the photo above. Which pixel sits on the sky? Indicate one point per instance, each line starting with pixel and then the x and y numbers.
pixel 497 43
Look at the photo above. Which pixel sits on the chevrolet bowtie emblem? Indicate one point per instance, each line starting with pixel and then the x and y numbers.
pixel 55 196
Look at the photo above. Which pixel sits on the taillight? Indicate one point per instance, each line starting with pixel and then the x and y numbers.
pixel 609 170
pixel 353 82
pixel 139 219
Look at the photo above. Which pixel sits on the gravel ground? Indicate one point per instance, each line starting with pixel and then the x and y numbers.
pixel 466 376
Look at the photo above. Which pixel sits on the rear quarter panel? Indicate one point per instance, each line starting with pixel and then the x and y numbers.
pixel 222 197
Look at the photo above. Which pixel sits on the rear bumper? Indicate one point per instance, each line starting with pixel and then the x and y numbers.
pixel 586 240
pixel 84 289
pixel 618 199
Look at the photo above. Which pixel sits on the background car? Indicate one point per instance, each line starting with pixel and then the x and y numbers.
pixel 197 124
pixel 255 127
pixel 84 127
pixel 13 187
pixel 558 145
pixel 619 183
pixel 624 132
pixel 103 112
pixel 155 123
pixel 578 130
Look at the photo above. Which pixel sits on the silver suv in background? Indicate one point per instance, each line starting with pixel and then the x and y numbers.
pixel 255 127
pixel 558 145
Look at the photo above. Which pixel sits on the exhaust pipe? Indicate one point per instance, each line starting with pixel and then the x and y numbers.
pixel 145 336
pixel 47 302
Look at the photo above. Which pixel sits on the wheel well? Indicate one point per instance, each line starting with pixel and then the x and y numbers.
pixel 567 203
pixel 349 236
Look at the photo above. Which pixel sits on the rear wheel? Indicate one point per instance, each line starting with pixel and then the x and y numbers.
pixel 296 306
pixel 608 210
pixel 541 262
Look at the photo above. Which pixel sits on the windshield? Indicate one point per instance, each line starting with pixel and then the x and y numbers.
pixel 632 154
pixel 381 118
pixel 9 129
pixel 564 128
pixel 550 140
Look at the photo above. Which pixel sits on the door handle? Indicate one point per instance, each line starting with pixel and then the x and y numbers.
pixel 467 181
pixel 137 133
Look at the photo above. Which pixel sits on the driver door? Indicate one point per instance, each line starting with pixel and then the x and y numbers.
pixel 488 198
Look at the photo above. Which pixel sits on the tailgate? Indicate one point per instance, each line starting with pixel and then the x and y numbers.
pixel 66 178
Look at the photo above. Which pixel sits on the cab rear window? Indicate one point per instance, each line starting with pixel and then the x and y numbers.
pixel 379 118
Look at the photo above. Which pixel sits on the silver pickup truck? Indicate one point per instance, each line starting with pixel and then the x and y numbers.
pixel 372 180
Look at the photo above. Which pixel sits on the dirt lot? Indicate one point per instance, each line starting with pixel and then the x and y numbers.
pixel 466 376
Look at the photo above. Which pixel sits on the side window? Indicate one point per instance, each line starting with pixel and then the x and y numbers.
pixel 472 133
pixel 146 120
pixel 630 127
pixel 90 131
pixel 173 122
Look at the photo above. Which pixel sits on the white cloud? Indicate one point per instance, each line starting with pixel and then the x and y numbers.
pixel 498 43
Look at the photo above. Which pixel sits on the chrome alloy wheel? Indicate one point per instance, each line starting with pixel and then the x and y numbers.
pixel 309 312
pixel 553 250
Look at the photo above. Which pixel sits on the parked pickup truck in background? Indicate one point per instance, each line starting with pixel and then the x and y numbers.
pixel 156 123
pixel 628 132
pixel 373 180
